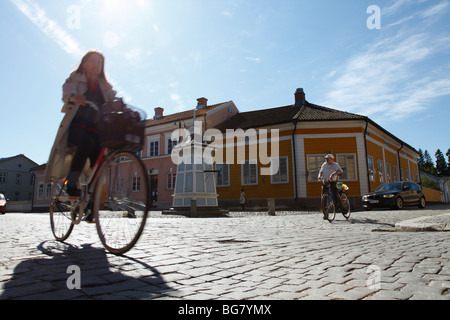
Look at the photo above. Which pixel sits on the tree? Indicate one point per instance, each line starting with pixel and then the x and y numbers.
pixel 448 163
pixel 420 160
pixel 428 165
pixel 441 164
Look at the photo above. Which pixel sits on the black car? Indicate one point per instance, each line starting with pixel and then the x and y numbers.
pixel 2 204
pixel 395 195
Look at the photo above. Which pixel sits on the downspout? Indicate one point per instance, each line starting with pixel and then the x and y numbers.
pixel 367 155
pixel 295 159
pixel 399 162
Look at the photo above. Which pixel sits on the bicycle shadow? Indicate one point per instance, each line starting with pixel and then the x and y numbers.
pixel 48 277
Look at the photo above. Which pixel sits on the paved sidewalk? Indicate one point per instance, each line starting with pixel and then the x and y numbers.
pixel 249 256
pixel 433 223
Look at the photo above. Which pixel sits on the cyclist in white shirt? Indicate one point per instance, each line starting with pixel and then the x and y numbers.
pixel 329 172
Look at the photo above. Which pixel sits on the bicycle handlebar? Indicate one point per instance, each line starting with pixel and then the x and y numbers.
pixel 92 105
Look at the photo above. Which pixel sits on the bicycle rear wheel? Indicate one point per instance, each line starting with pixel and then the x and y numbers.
pixel 347 206
pixel 328 207
pixel 60 211
pixel 121 202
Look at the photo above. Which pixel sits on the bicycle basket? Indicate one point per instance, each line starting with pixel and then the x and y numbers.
pixel 121 127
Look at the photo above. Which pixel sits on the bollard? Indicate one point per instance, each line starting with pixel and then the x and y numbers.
pixel 271 206
pixel 193 211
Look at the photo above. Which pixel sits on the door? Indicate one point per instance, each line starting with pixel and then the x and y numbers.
pixel 154 190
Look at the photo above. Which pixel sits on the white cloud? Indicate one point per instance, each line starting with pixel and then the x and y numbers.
pixel 48 26
pixel 373 82
pixel 253 59
pixel 175 97
pixel 440 7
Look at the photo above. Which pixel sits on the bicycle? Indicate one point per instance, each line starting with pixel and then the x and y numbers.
pixel 116 192
pixel 328 201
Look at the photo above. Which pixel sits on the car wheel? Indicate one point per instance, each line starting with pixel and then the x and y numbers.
pixel 399 203
pixel 367 208
pixel 422 203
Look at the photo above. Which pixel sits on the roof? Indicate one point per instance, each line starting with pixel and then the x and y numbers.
pixel 286 114
pixel 18 156
pixel 189 114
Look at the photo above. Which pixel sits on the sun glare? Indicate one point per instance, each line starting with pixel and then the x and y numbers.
pixel 122 7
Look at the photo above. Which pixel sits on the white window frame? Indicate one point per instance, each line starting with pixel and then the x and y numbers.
pixel 167 140
pixel 224 174
pixel 279 174
pixel 156 151
pixel 380 165
pixel 136 184
pixel 250 163
pixel 344 176
pixel 371 168
pixel 171 180
pixel 388 173
pixel 313 174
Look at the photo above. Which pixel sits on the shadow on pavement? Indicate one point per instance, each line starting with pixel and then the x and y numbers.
pixel 49 276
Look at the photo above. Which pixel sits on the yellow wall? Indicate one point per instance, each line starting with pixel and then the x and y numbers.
pixel 264 188
pixel 314 146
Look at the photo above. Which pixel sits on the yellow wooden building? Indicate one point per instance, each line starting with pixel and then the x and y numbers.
pixel 369 155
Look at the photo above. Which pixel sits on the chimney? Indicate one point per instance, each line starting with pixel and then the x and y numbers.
pixel 299 97
pixel 202 103
pixel 158 113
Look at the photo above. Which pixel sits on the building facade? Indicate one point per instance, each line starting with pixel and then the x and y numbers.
pixel 296 137
pixel 369 155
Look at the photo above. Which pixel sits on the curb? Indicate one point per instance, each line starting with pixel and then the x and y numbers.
pixel 431 223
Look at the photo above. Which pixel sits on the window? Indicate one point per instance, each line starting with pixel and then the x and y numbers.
pixel 315 163
pixel 282 176
pixel 170 145
pixel 348 164
pixel 171 180
pixel 3 178
pixel 388 173
pixel 153 148
pixel 395 178
pixel 381 171
pixel 223 176
pixel 249 173
pixel 136 187
pixel 41 191
pixel 48 191
pixel 371 169
pixel 19 178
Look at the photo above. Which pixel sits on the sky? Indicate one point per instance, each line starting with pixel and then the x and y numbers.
pixel 388 60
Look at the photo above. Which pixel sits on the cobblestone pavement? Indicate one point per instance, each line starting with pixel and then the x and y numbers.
pixel 290 256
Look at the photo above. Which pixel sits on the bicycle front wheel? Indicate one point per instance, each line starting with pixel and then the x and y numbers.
pixel 328 207
pixel 60 211
pixel 121 202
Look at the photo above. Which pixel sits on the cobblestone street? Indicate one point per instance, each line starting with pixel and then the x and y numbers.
pixel 246 256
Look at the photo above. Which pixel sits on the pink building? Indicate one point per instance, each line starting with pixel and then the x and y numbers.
pixel 156 154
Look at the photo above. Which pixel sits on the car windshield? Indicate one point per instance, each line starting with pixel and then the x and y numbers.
pixel 389 187
pixel 2 197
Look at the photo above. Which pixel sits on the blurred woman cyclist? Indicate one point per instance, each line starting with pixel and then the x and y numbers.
pixel 77 137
